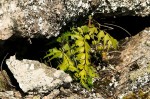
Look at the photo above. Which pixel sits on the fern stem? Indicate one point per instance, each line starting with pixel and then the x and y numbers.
pixel 119 27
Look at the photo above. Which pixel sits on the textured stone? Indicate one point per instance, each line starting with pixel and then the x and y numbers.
pixel 36 76
pixel 135 65
pixel 46 17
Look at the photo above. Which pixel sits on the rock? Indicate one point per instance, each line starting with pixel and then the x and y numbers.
pixel 4 86
pixel 52 95
pixel 7 95
pixel 135 66
pixel 124 7
pixel 46 17
pixel 35 76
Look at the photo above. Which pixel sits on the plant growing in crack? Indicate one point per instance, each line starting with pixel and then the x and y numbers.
pixel 74 54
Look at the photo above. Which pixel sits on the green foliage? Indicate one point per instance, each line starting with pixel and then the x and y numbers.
pixel 75 51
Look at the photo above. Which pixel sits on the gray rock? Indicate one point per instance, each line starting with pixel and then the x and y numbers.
pixel 35 76
pixel 135 65
pixel 46 17
pixel 124 7
pixel 7 95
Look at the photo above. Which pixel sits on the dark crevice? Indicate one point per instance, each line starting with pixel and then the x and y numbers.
pixel 133 24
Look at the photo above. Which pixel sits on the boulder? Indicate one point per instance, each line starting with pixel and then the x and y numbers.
pixel 35 76
pixel 46 17
pixel 134 67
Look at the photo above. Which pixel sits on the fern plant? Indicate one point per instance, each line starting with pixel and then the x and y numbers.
pixel 75 51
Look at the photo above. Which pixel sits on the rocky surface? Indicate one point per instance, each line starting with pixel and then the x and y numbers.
pixel 35 76
pixel 135 66
pixel 129 76
pixel 46 17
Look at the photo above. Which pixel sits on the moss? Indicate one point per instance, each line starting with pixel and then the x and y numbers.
pixel 138 95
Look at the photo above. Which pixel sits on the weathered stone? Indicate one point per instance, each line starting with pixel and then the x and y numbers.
pixel 4 85
pixel 7 95
pixel 46 17
pixel 124 7
pixel 135 65
pixel 36 76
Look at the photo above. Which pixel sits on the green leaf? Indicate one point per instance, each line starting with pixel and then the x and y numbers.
pixel 84 84
pixel 76 76
pixel 82 74
pixel 72 68
pixel 54 53
pixel 87 58
pixel 100 35
pixel 81 56
pixel 79 37
pixel 66 47
pixel 79 43
pixel 87 47
pixel 105 39
pixel 114 43
pixel 94 42
pixel 81 61
pixel 80 30
pixel 80 66
pixel 57 55
pixel 80 49
pixel 87 37
pixel 67 64
pixel 59 39
pixel 109 44
pixel 90 81
pixel 85 28
pixel 64 37
pixel 63 67
pixel 91 72
pixel 83 78
pixel 93 30
pixel 100 48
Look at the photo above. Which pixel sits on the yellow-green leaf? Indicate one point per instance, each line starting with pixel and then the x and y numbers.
pixel 79 43
pixel 87 47
pixel 84 84
pixel 100 35
pixel 109 44
pixel 94 42
pixel 80 66
pixel 72 68
pixel 81 56
pixel 100 47
pixel 79 37
pixel 80 30
pixel 82 61
pixel 90 81
pixel 93 30
pixel 82 74
pixel 87 37
pixel 80 49
pixel 63 66
pixel 91 72
pixel 66 47
pixel 114 43
pixel 85 28
pixel 105 39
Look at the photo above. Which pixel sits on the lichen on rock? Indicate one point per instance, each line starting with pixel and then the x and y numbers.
pixel 46 17
pixel 135 68
pixel 33 75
